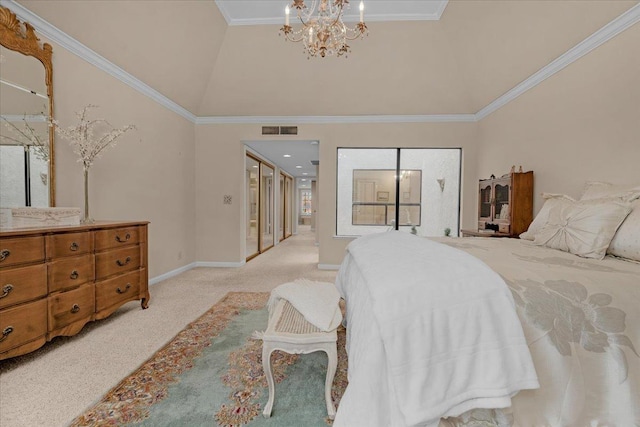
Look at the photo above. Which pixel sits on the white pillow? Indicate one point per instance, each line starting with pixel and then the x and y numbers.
pixel 583 229
pixel 626 242
pixel 598 190
pixel 543 216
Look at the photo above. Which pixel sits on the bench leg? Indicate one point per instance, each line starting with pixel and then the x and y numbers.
pixel 266 366
pixel 332 364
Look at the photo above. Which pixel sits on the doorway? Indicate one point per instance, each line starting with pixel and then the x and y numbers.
pixel 274 170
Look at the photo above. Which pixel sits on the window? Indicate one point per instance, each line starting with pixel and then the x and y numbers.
pixel 414 190
pixel 305 202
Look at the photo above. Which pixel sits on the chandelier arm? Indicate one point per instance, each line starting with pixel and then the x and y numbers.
pixel 357 34
pixel 291 35
pixel 338 15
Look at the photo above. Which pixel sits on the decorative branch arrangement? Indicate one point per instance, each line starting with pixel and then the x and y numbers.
pixel 28 137
pixel 82 136
pixel 88 146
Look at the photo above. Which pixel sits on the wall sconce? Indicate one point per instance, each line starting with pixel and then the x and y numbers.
pixel 441 183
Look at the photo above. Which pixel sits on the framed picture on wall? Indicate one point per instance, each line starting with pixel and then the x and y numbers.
pixel 382 196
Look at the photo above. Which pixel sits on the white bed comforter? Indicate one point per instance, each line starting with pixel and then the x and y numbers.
pixel 445 336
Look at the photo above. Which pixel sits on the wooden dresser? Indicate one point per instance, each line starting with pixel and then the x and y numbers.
pixel 55 280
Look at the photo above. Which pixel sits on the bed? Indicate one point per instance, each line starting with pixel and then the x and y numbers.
pixel 580 318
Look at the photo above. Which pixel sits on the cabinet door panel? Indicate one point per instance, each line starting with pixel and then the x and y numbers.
pixel 485 202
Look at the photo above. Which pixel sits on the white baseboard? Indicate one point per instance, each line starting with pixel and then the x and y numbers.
pixel 188 267
pixel 328 267
pixel 219 264
pixel 171 273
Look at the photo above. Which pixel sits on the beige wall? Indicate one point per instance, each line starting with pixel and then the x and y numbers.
pixel 581 124
pixel 219 171
pixel 171 45
pixel 148 175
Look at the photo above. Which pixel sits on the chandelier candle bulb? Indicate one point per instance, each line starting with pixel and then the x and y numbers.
pixel 361 11
pixel 286 15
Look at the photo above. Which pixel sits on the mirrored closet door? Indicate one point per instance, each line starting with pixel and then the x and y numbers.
pixel 285 206
pixel 266 206
pixel 252 168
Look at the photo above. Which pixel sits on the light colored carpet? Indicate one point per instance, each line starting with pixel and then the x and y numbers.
pixel 54 384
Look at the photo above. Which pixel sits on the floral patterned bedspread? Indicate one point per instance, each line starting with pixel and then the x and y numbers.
pixel 581 319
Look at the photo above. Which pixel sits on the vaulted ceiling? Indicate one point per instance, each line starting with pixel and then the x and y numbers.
pixel 186 50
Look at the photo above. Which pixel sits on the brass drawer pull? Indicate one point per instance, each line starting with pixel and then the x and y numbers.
pixel 74 275
pixel 123 263
pixel 126 288
pixel 6 333
pixel 6 290
pixel 75 308
pixel 74 247
pixel 4 254
pixel 121 240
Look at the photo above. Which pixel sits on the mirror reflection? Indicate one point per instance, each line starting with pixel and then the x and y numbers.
pixel 26 154
pixel 374 197
pixel 24 147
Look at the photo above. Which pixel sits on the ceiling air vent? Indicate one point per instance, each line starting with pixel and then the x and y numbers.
pixel 279 130
pixel 288 130
pixel 315 162
pixel 271 130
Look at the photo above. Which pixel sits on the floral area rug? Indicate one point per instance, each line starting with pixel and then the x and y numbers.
pixel 211 374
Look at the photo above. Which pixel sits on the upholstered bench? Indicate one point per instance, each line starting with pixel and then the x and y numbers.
pixel 288 331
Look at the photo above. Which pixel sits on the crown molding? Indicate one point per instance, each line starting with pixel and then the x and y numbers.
pixel 370 18
pixel 347 18
pixel 74 46
pixel 30 118
pixel 223 11
pixel 299 120
pixel 604 34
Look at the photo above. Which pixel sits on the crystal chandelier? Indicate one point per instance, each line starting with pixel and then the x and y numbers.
pixel 325 33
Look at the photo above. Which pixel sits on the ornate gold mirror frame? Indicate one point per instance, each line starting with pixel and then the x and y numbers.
pixel 21 37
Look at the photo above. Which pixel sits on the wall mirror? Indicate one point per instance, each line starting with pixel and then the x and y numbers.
pixel 26 105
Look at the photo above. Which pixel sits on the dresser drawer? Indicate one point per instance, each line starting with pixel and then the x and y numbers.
pixel 22 284
pixel 21 250
pixel 68 307
pixel 504 228
pixel 117 261
pixel 60 245
pixel 114 291
pixel 70 272
pixel 22 324
pixel 116 237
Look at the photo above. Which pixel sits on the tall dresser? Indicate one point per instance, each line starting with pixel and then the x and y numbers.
pixel 506 203
pixel 55 280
